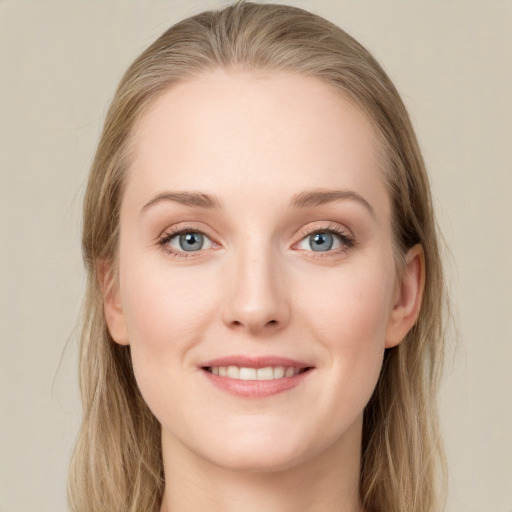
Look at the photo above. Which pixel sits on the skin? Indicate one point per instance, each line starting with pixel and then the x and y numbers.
pixel 259 287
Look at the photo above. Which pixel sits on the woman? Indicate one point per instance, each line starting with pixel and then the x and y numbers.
pixel 263 325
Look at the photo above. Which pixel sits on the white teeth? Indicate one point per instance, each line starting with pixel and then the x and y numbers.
pixel 233 372
pixel 243 373
pixel 289 372
pixel 248 373
pixel 265 373
pixel 279 372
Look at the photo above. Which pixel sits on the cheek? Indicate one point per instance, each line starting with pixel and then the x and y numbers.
pixel 166 312
pixel 165 305
pixel 350 319
pixel 353 304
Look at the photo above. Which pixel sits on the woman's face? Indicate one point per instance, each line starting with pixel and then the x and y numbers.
pixel 255 242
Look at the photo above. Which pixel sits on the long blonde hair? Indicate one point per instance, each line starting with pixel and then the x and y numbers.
pixel 117 463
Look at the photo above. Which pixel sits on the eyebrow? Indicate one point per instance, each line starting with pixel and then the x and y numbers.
pixel 306 199
pixel 198 199
pixel 317 197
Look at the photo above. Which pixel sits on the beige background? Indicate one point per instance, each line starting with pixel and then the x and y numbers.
pixel 59 65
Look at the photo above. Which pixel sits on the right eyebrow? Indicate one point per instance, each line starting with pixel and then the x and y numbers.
pixel 198 199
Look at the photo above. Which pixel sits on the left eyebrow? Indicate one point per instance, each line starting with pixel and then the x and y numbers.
pixel 317 197
pixel 306 199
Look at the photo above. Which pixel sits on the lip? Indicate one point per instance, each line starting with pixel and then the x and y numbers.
pixel 255 362
pixel 256 388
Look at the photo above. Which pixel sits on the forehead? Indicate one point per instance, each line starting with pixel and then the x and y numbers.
pixel 247 130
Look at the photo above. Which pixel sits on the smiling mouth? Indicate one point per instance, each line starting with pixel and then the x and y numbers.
pixel 255 374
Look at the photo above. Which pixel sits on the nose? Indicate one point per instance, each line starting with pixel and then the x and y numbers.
pixel 257 298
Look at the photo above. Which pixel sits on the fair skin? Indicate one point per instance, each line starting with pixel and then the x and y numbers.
pixel 258 276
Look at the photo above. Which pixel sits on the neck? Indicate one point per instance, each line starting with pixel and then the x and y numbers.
pixel 327 483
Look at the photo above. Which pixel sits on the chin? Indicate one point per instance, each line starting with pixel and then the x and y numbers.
pixel 260 450
pixel 247 460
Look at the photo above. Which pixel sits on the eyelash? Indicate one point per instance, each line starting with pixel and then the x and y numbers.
pixel 345 238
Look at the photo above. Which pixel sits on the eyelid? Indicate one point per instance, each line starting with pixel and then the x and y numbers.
pixel 330 227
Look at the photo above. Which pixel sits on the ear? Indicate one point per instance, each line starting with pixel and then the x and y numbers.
pixel 112 308
pixel 408 296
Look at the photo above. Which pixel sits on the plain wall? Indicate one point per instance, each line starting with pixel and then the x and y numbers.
pixel 59 65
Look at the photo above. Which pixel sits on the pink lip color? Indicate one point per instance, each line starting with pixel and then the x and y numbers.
pixel 255 388
pixel 255 362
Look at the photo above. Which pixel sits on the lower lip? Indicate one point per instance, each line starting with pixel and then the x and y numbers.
pixel 256 388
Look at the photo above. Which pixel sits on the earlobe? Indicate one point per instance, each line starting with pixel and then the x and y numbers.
pixel 114 315
pixel 409 295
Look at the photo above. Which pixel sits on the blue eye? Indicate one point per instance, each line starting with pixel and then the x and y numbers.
pixel 185 240
pixel 331 239
pixel 188 240
pixel 191 241
pixel 321 241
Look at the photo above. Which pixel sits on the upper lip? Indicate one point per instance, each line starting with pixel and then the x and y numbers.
pixel 255 362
